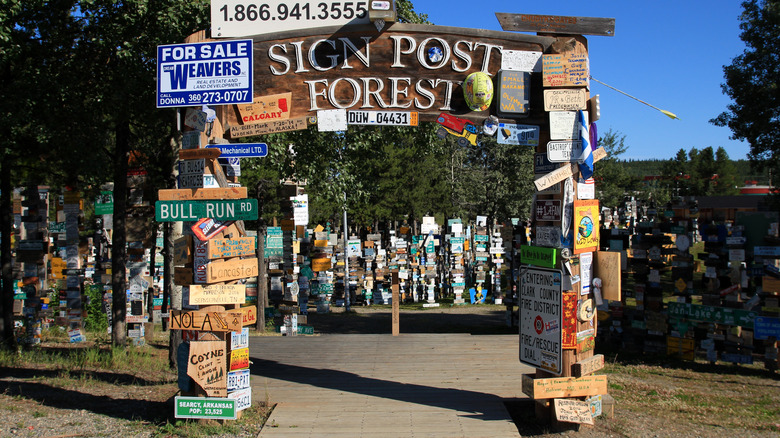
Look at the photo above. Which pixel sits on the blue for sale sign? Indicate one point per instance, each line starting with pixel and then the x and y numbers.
pixel 215 73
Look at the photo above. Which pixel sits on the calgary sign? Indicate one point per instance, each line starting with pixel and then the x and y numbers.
pixel 408 67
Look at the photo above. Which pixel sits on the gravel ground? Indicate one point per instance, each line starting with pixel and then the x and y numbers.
pixel 35 402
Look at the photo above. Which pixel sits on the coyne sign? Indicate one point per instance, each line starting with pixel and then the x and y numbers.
pixel 217 73
pixel 541 319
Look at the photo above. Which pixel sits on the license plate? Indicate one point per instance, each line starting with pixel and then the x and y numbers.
pixel 243 398
pixel 386 118
pixel 238 380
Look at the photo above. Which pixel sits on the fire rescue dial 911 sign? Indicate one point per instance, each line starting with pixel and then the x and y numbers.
pixel 540 319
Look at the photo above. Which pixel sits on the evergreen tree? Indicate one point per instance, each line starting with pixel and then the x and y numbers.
pixel 752 84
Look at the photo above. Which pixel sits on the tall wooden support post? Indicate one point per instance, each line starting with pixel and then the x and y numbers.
pixel 396 303
pixel 562 251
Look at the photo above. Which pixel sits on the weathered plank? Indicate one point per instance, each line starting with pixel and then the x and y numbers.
pixel 234 269
pixel 562 387
pixel 217 294
pixel 588 366
pixel 556 24
pixel 202 194
pixel 564 172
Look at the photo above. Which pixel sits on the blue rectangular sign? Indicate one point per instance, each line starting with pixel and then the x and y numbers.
pixel 215 73
pixel 765 327
pixel 242 150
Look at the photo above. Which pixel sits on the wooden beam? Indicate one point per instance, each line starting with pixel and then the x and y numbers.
pixel 556 24
pixel 562 387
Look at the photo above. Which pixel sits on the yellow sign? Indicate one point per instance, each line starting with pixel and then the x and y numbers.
pixel 586 219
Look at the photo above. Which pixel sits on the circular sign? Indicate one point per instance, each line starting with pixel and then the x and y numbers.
pixel 538 324
pixel 683 242
pixel 586 310
pixel 586 227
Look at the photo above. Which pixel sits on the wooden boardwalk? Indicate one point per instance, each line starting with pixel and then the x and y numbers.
pixel 412 385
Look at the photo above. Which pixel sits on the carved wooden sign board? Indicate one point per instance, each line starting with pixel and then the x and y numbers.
pixel 406 67
pixel 207 365
pixel 206 321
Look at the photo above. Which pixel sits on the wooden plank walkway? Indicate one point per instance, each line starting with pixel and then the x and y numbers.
pixel 412 385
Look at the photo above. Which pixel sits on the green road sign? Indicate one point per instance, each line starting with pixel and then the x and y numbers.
pixel 538 256
pixel 719 315
pixel 206 407
pixel 192 211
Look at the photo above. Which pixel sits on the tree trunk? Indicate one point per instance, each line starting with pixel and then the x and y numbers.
pixel 262 280
pixel 119 238
pixel 6 228
pixel 167 271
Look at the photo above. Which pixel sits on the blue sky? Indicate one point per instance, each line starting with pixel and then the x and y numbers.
pixel 668 53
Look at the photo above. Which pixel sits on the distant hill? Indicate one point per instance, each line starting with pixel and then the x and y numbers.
pixel 641 168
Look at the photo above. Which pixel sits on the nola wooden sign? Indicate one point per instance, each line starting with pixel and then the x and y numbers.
pixel 237 247
pixel 562 387
pixel 217 294
pixel 206 321
pixel 234 269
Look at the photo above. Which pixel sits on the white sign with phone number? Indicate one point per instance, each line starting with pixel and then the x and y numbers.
pixel 236 18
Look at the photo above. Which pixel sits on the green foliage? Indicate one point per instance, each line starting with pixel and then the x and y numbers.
pixel 613 183
pixel 96 319
pixel 752 84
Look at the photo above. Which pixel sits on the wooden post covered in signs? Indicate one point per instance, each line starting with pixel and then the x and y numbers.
pixel 394 287
pixel 565 217
pixel 213 315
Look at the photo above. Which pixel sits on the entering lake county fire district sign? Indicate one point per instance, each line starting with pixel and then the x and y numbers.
pixel 541 319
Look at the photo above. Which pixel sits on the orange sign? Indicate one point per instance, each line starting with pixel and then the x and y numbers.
pixel 239 359
pixel 249 315
pixel 266 108
pixel 319 265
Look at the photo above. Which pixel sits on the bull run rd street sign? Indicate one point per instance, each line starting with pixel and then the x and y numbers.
pixel 218 73
pixel 192 211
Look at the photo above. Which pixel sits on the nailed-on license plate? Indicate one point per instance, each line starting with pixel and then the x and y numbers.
pixel 237 380
pixel 389 118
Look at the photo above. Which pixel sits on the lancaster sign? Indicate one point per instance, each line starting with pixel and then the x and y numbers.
pixel 408 67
